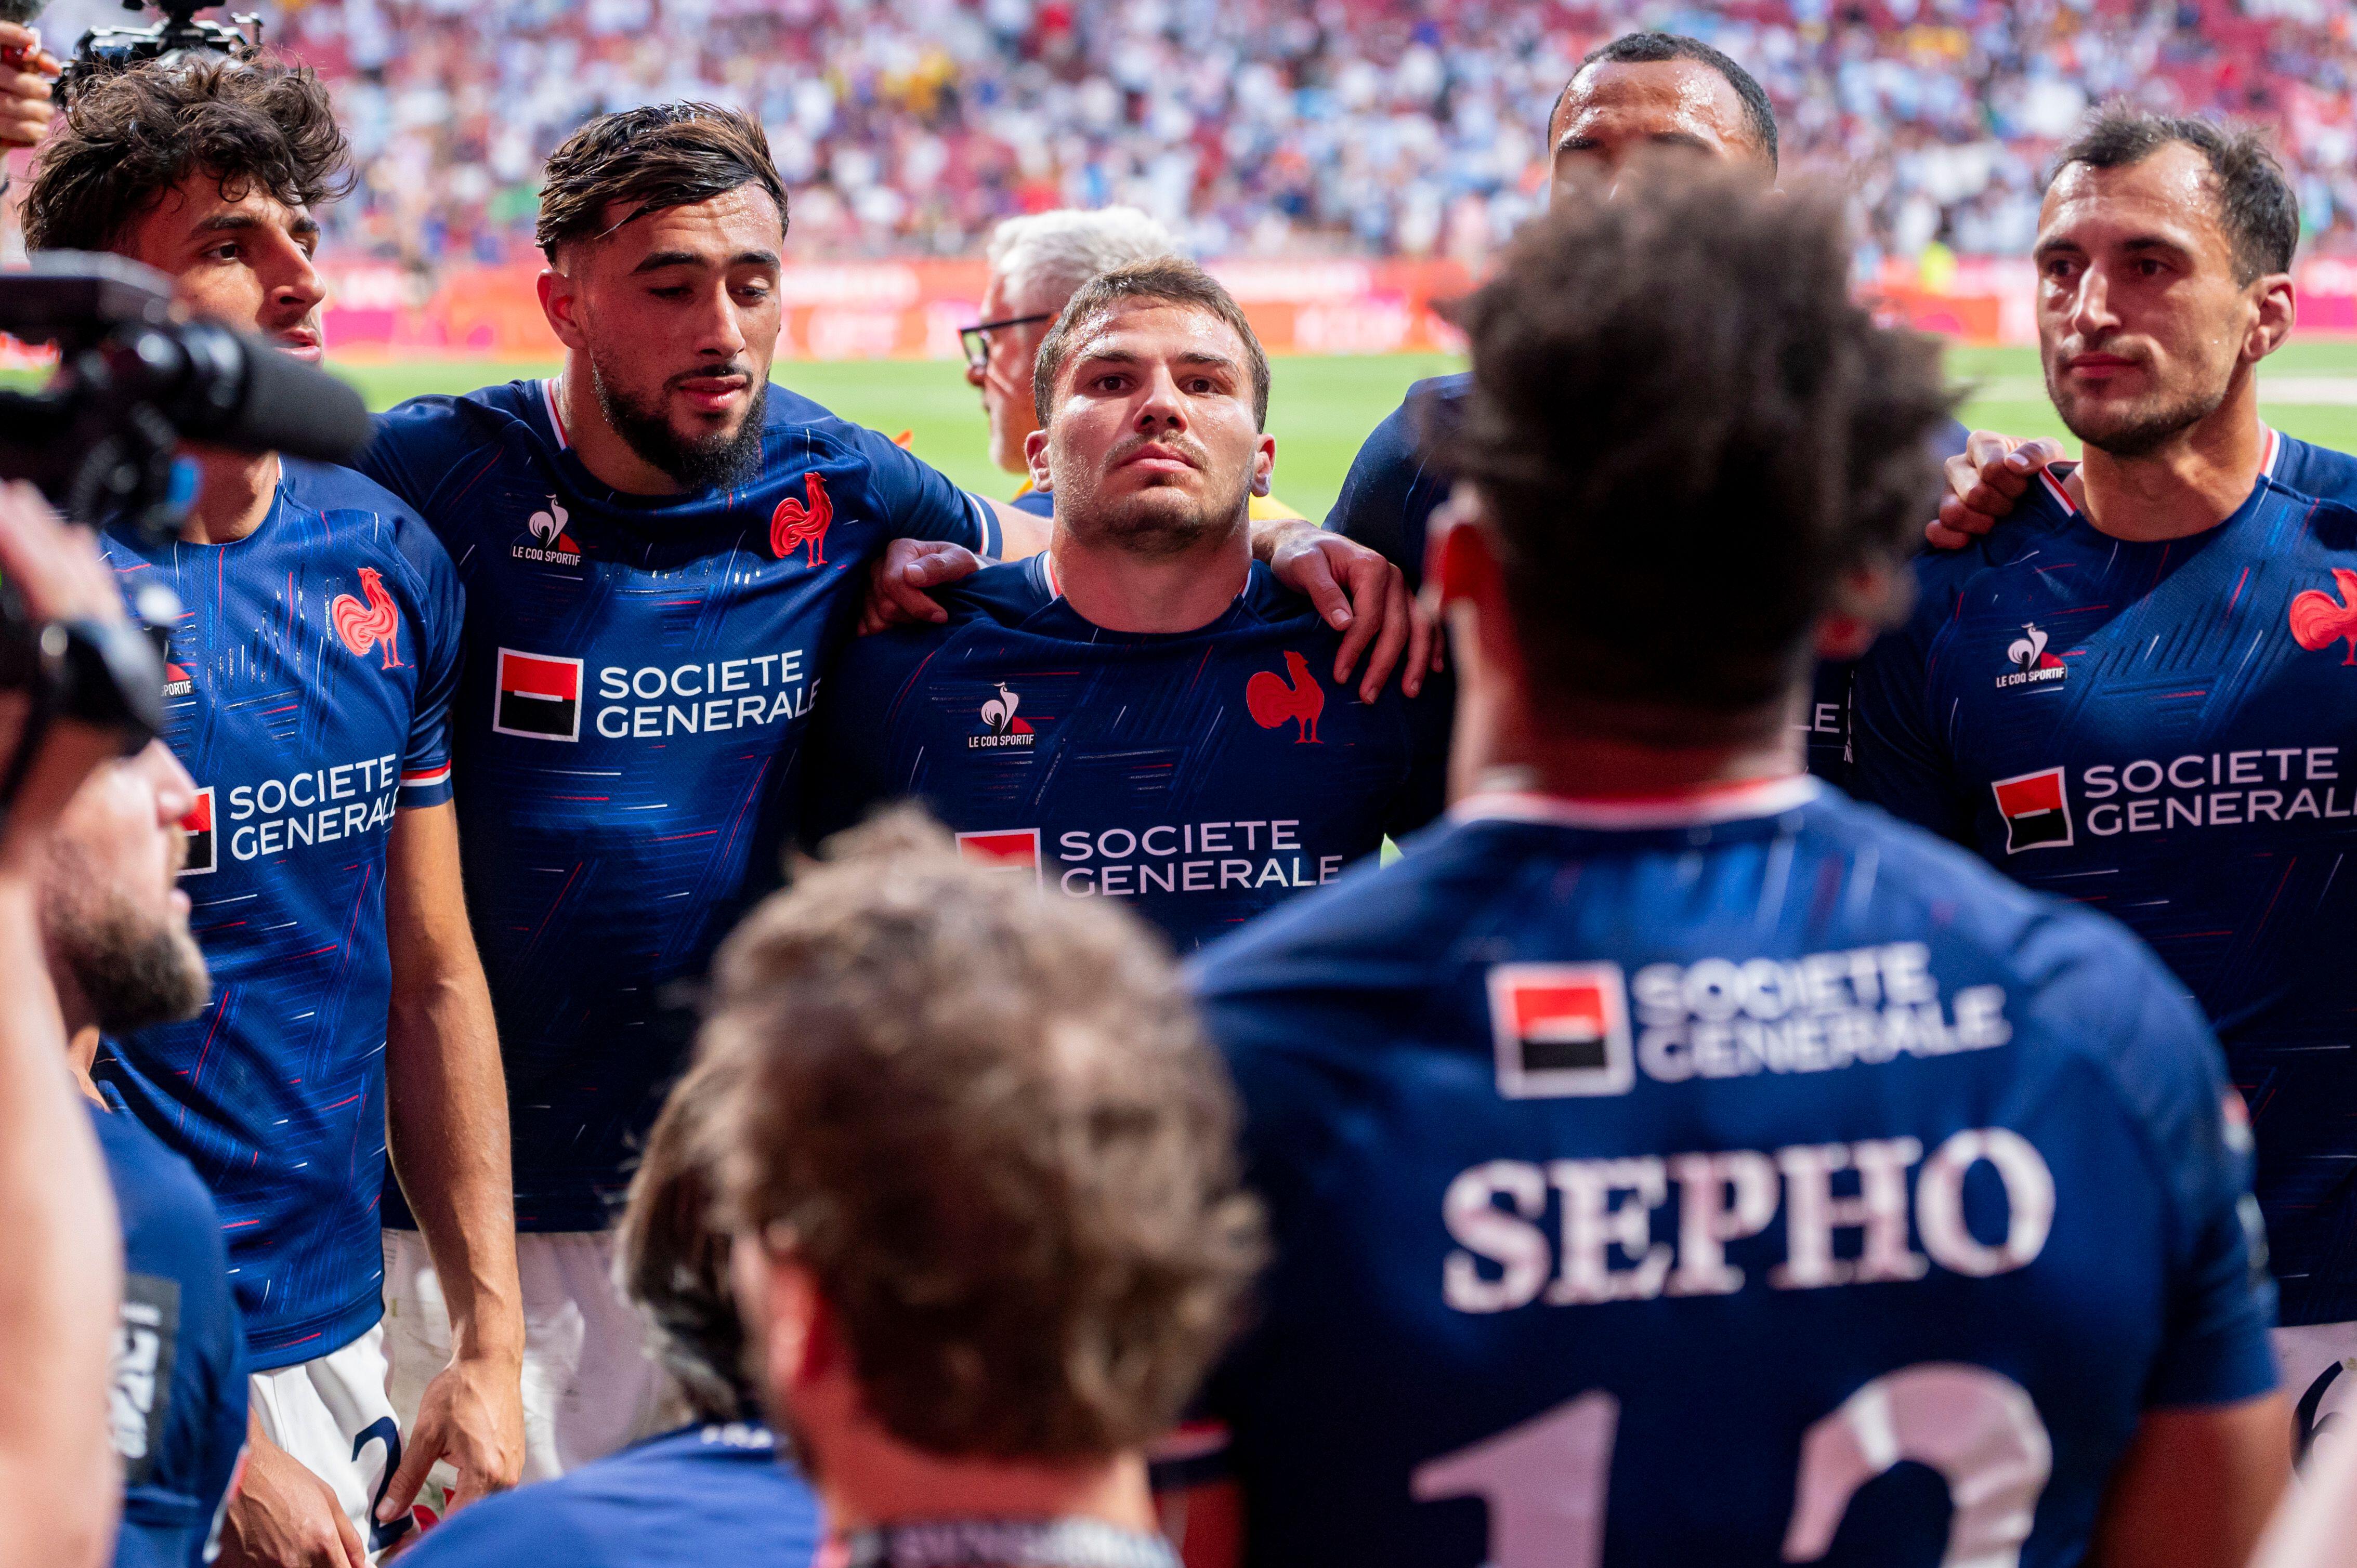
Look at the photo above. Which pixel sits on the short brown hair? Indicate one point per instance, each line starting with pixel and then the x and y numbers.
pixel 672 1259
pixel 652 158
pixel 1168 280
pixel 1686 435
pixel 985 1120
pixel 134 133
pixel 2256 205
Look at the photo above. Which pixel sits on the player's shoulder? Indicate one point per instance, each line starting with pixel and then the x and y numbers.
pixel 163 1203
pixel 443 425
pixel 1432 406
pixel 708 1492
pixel 791 420
pixel 2318 471
pixel 2020 542
pixel 349 503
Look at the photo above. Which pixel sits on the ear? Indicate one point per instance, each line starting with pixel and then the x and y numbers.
pixel 560 301
pixel 1867 600
pixel 1035 456
pixel 1264 464
pixel 2276 304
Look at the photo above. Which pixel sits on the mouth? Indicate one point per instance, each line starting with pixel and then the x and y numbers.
pixel 712 395
pixel 301 343
pixel 1153 458
pixel 2098 364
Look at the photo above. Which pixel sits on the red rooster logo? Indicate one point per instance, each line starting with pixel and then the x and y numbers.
pixel 1297 696
pixel 366 625
pixel 2316 622
pixel 794 525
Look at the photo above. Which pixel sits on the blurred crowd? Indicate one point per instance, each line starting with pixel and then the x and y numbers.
pixel 1384 127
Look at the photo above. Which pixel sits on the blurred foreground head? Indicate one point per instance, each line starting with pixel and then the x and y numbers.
pixel 1688 453
pixel 979 1164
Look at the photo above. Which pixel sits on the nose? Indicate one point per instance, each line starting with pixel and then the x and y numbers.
pixel 1160 404
pixel 976 376
pixel 176 792
pixel 723 336
pixel 2091 311
pixel 300 289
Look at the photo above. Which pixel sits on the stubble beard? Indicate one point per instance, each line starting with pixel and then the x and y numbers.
pixel 2142 428
pixel 135 972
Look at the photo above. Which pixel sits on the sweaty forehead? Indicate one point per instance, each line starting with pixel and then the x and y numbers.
pixel 2170 195
pixel 198 199
pixel 1157 330
pixel 736 222
pixel 1656 97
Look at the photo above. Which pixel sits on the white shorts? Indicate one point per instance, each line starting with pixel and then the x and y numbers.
pixel 332 1414
pixel 589 1384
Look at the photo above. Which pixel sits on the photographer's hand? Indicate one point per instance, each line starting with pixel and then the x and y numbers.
pixel 26 71
pixel 58 576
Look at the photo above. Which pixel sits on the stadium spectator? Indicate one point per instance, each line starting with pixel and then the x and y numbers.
pixel 979 1167
pixel 1270 126
pixel 116 929
pixel 597 515
pixel 310 681
pixel 1081 718
pixel 718 1489
pixel 1037 262
pixel 58 1310
pixel 2026 728
pixel 1665 1080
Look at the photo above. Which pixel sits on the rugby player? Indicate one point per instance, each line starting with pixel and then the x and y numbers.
pixel 115 930
pixel 980 1169
pixel 663 553
pixel 1140 711
pixel 717 1490
pixel 2133 693
pixel 1667 1147
pixel 309 689
pixel 59 1307
pixel 1037 262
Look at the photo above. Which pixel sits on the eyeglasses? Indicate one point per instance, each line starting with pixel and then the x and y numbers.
pixel 976 339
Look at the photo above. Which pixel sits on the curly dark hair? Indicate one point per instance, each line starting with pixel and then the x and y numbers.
pixel 986 1121
pixel 134 135
pixel 1686 433
pixel 648 159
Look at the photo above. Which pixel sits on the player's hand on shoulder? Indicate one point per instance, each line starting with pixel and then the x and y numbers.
pixel 1361 596
pixel 25 70
pixel 281 1516
pixel 898 584
pixel 471 1416
pixel 1986 481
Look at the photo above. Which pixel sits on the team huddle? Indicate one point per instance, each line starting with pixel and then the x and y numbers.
pixel 1668 1158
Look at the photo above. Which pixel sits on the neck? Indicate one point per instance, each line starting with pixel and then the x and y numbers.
pixel 611 460
pixel 81 1055
pixel 2188 485
pixel 1122 590
pixel 235 493
pixel 870 1480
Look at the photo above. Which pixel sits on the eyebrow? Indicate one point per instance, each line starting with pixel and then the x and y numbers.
pixel 661 259
pixel 1571 144
pixel 2140 243
pixel 1124 356
pixel 233 222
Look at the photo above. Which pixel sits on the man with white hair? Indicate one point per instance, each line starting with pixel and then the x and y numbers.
pixel 1038 262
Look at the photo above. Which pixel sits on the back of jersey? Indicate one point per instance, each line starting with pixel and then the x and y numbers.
pixel 1754 1182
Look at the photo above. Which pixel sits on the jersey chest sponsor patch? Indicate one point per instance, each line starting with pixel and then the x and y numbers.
pixel 538 696
pixel 1560 1029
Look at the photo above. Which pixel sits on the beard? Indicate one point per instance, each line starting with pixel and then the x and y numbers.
pixel 1161 521
pixel 697 464
pixel 2143 427
pixel 135 972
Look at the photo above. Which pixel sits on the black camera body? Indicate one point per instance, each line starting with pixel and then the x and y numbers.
pixel 178 36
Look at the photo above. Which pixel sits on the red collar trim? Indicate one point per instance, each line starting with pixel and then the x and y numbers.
pixel 1703 808
pixel 556 414
pixel 2268 454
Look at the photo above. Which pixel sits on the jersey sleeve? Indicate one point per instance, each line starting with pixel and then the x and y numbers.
pixel 425 760
pixel 2221 1304
pixel 850 743
pixel 1430 717
pixel 1900 762
pixel 1390 494
pixel 920 502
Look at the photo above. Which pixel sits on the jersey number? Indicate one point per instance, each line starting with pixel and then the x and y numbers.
pixel 1546 1480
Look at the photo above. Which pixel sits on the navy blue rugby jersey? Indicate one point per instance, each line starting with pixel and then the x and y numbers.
pixel 1757 1139
pixel 307 694
pixel 696 1498
pixel 177 1408
pixel 1207 775
pixel 2166 731
pixel 639 673
pixel 1394 487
